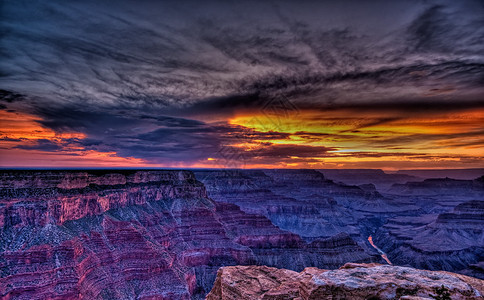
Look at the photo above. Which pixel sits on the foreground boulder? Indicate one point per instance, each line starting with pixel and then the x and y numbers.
pixel 352 281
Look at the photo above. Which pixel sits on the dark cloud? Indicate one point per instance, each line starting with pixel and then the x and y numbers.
pixel 7 139
pixel 154 137
pixel 138 78
pixel 340 89
pixel 288 151
pixel 267 153
pixel 170 54
pixel 408 107
pixel 430 31
pixel 226 106
pixel 42 145
pixel 435 27
pixel 9 96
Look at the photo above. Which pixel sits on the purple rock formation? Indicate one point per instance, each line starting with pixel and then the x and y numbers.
pixel 382 181
pixel 452 241
pixel 136 234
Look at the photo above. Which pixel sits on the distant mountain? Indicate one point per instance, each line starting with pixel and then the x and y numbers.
pixel 465 174
pixel 377 177
pixel 441 186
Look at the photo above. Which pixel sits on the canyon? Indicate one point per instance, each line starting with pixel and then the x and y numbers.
pixel 164 234
pixel 433 223
pixel 137 235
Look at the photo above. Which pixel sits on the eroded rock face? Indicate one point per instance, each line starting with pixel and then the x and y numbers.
pixel 434 224
pixel 58 197
pixel 452 241
pixel 81 179
pixel 352 281
pixel 137 235
pixel 103 235
pixel 300 201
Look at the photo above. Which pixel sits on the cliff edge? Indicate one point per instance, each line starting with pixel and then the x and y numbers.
pixel 352 281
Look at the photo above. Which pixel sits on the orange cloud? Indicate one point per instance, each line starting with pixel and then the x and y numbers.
pixel 19 131
pixel 372 138
pixel 15 125
pixel 340 138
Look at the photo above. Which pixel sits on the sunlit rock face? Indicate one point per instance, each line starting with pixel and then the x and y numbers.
pixel 95 235
pixel 352 281
pixel 137 234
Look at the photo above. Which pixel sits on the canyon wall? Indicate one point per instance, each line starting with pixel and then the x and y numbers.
pixel 144 234
pixel 415 222
pixel 126 234
pixel 452 241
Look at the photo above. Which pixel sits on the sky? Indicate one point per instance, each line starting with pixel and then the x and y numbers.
pixel 242 84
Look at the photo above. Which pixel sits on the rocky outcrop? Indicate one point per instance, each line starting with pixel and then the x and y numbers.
pixel 352 281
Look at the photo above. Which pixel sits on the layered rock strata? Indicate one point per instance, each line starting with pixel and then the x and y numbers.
pixel 451 241
pixel 112 234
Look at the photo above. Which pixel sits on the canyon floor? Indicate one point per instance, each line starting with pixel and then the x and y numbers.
pixel 164 234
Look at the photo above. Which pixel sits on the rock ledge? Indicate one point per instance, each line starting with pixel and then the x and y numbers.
pixel 352 281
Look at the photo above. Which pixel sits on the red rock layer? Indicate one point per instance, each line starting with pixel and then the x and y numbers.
pixel 25 203
pixel 136 235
